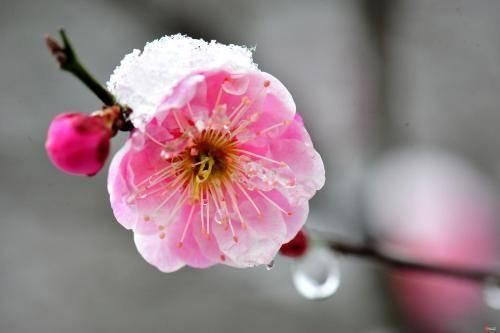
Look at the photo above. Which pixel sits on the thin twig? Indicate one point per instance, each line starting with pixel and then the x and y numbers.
pixel 68 61
pixel 372 253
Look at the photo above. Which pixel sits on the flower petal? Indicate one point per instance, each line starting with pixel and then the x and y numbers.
pixel 119 190
pixel 306 164
pixel 263 237
pixel 157 252
pixel 190 252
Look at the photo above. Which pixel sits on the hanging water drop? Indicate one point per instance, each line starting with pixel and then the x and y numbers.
pixel 491 293
pixel 270 265
pixel 316 275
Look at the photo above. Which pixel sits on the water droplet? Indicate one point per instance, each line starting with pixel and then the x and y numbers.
pixel 285 176
pixel 246 135
pixel 236 84
pixel 166 154
pixel 138 140
pixel 131 198
pixel 316 275
pixel 200 124
pixel 491 293
pixel 258 176
pixel 221 216
pixel 270 265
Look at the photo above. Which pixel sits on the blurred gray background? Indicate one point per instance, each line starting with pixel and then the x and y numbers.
pixel 367 76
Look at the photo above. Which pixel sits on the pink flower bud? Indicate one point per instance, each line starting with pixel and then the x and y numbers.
pixel 78 143
pixel 297 247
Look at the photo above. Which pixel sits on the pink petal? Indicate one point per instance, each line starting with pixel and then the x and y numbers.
pixel 262 239
pixel 162 249
pixel 119 190
pixel 306 164
pixel 208 245
pixel 298 213
pixel 190 252
pixel 158 252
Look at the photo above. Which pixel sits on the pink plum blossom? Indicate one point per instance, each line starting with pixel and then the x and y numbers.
pixel 220 168
pixel 78 143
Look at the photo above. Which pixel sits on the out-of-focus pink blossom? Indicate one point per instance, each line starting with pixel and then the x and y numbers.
pixel 433 208
pixel 78 143
pixel 221 171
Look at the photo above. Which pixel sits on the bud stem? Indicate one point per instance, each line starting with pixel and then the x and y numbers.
pixel 68 61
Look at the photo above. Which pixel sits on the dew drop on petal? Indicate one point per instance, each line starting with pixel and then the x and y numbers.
pixel 138 140
pixel 166 154
pixel 131 198
pixel 285 176
pixel 221 216
pixel 236 85
pixel 174 147
pixel 201 120
pixel 219 119
pixel 491 293
pixel 246 135
pixel 258 176
pixel 270 265
pixel 316 275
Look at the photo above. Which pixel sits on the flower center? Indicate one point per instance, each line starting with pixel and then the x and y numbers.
pixel 209 170
pixel 205 169
pixel 211 160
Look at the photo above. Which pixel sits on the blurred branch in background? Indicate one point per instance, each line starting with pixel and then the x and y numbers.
pixel 372 253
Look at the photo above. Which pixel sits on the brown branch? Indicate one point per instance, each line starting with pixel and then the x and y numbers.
pixel 367 252
pixel 67 59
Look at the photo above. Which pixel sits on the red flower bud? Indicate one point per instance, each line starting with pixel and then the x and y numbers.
pixel 78 143
pixel 297 247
